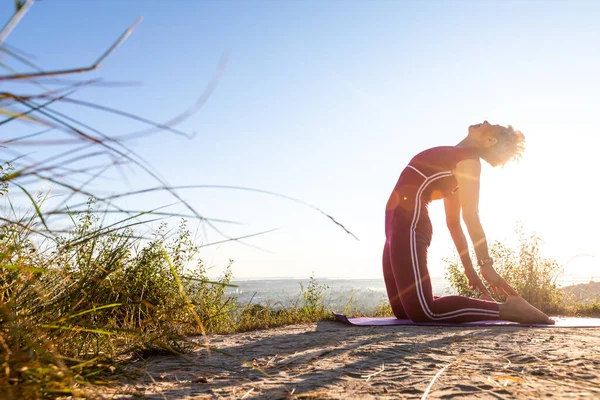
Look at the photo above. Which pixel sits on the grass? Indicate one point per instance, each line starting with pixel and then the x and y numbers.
pixel 72 307
pixel 70 310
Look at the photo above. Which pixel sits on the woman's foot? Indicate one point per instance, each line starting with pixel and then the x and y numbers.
pixel 518 310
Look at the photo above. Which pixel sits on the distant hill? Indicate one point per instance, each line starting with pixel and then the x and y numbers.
pixel 584 292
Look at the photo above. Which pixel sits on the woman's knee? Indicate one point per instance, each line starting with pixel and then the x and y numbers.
pixel 398 310
pixel 415 311
pixel 418 317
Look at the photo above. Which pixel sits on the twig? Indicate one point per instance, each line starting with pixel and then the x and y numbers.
pixel 248 393
pixel 153 381
pixel 227 187
pixel 92 67
pixel 10 25
pixel 271 360
pixel 374 373
pixel 440 372
pixel 235 239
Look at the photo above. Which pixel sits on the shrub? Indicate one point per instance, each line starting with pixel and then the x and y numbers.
pixel 524 268
pixel 313 297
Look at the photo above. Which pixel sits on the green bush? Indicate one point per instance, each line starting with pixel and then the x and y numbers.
pixel 313 297
pixel 524 268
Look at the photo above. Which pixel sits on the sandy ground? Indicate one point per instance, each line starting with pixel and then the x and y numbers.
pixel 332 360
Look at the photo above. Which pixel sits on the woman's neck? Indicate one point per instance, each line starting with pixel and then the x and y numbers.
pixel 467 142
pixel 470 143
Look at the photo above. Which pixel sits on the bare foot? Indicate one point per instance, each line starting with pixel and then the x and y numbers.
pixel 516 309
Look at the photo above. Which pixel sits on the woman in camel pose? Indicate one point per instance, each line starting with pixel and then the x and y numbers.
pixel 451 173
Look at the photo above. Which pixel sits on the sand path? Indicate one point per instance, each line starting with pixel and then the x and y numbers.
pixel 331 360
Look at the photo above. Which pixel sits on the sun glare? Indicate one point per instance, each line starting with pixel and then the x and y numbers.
pixel 534 191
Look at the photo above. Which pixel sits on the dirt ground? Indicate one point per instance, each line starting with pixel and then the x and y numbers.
pixel 331 360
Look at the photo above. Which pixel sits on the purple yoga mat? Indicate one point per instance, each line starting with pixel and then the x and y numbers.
pixel 560 322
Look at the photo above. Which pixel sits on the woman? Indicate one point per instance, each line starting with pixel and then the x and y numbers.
pixel 451 173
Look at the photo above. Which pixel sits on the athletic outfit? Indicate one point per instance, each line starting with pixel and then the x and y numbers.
pixel 408 234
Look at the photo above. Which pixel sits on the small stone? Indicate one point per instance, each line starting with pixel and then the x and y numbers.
pixel 432 365
pixel 200 379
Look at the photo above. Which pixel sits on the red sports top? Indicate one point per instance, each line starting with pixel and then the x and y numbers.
pixel 429 175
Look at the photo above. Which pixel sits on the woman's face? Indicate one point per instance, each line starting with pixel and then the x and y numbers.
pixel 484 134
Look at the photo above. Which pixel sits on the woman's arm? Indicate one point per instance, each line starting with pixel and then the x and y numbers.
pixel 452 208
pixel 467 175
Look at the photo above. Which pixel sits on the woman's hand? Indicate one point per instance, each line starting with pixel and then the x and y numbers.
pixel 497 283
pixel 476 283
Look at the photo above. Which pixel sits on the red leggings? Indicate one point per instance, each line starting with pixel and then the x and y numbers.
pixel 407 279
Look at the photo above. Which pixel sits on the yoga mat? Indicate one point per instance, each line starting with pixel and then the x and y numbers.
pixel 560 322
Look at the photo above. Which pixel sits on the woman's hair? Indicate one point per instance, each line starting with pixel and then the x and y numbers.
pixel 510 145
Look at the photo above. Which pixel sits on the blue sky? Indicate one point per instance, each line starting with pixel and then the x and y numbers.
pixel 327 102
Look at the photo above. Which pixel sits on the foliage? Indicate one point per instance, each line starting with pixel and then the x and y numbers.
pixel 528 272
pixel 93 296
pixel 69 309
pixel 5 171
pixel 313 297
pixel 383 309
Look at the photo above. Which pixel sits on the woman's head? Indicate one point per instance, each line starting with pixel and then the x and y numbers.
pixel 497 144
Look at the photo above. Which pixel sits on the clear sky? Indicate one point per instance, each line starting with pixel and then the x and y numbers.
pixel 326 101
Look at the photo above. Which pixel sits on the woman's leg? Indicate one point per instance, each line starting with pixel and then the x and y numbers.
pixel 408 251
pixel 390 285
